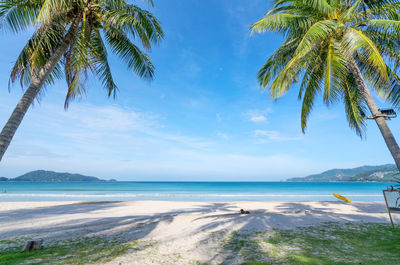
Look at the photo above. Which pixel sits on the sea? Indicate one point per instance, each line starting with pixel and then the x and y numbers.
pixel 190 191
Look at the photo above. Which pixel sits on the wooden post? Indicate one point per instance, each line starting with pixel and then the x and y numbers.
pixel 33 245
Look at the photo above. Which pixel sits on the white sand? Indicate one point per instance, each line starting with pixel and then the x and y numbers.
pixel 179 232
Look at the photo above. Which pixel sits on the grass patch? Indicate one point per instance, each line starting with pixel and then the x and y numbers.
pixel 78 251
pixel 243 245
pixel 330 243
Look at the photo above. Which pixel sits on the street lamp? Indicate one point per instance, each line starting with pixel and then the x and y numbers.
pixel 388 114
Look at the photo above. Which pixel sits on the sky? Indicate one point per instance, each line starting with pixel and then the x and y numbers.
pixel 203 118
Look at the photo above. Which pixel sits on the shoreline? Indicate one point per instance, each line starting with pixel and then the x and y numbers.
pixel 191 191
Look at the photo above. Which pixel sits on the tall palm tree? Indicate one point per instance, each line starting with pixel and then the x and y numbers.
pixel 337 48
pixel 71 39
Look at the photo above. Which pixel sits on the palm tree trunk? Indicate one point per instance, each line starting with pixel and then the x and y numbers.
pixel 375 111
pixel 30 94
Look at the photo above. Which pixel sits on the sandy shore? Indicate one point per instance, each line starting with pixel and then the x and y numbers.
pixel 179 232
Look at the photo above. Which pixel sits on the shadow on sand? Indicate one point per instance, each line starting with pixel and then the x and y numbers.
pixel 218 216
pixel 291 215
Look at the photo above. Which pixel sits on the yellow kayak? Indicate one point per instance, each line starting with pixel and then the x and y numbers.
pixel 341 197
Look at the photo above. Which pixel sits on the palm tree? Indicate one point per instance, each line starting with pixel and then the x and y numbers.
pixel 71 39
pixel 337 48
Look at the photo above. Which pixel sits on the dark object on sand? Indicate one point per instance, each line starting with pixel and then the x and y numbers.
pixel 244 212
pixel 33 245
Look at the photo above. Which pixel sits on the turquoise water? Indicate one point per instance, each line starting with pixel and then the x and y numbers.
pixel 189 191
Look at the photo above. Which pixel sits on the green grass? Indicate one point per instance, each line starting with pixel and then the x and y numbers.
pixel 79 251
pixel 330 243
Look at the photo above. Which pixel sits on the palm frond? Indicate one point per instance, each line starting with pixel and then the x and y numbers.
pixel 102 67
pixel 277 61
pixel 320 7
pixel 284 23
pixel 120 23
pixel 353 102
pixel 306 48
pixel 335 35
pixel 311 86
pixel 355 40
pixel 34 56
pixel 18 15
pixel 136 60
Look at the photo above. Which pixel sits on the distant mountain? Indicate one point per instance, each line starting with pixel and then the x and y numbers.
pixel 383 173
pixel 50 176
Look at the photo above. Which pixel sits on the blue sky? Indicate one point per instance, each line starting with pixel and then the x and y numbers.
pixel 204 117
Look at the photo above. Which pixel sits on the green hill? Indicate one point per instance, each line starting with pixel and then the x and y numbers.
pixel 50 176
pixel 383 173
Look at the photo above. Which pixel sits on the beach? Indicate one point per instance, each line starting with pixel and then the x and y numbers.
pixel 196 150
pixel 166 232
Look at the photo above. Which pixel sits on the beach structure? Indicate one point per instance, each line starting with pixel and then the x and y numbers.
pixel 392 200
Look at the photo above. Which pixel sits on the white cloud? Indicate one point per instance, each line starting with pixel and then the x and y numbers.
pixel 177 164
pixel 258 119
pixel 264 136
pixel 116 142
pixel 125 127
pixel 92 132
pixel 257 116
pixel 107 118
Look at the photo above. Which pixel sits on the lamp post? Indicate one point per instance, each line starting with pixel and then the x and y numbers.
pixel 388 114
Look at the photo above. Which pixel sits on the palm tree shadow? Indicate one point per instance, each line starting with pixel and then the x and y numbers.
pixel 290 215
pixel 47 211
pixel 130 227
pixel 220 217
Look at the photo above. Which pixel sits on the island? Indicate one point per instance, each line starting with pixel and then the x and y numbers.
pixel 382 173
pixel 51 176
